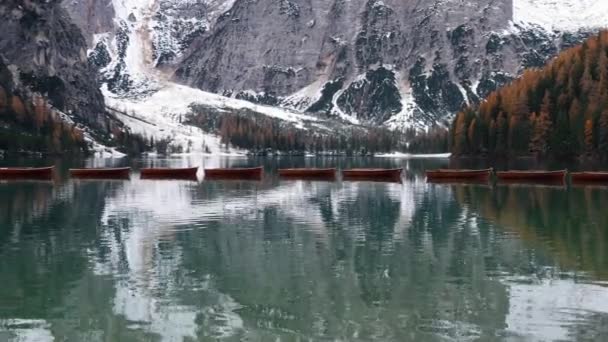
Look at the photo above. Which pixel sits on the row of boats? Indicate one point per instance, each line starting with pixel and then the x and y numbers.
pixel 486 175
pixel 483 175
pixel 191 173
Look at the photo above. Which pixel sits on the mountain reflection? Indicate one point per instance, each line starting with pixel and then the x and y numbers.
pixel 300 260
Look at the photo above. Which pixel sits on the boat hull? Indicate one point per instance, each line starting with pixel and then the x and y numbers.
pixel 237 173
pixel 532 176
pixel 308 173
pixel 589 177
pixel 108 173
pixel 447 175
pixel 27 173
pixel 379 175
pixel 169 173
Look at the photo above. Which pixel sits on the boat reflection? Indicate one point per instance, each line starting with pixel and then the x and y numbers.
pixel 306 260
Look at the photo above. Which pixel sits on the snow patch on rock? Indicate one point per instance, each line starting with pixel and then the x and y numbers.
pixel 561 15
pixel 160 116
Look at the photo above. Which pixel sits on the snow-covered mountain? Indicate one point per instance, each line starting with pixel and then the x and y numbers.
pixel 394 63
pixel 562 15
pixel 44 69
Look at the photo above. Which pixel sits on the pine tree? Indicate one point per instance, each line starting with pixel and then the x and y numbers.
pixel 589 142
pixel 460 134
pixel 603 135
pixel 542 131
pixel 492 134
pixel 502 131
pixel 3 99
pixel 18 108
pixel 473 136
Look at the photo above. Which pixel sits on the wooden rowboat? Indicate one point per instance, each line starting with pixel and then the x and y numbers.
pixel 590 177
pixel 26 172
pixel 307 173
pixel 169 173
pixel 460 181
pixel 445 174
pixel 372 174
pixel 532 176
pixel 235 173
pixel 104 173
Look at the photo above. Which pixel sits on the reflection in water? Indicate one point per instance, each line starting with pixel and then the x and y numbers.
pixel 557 285
pixel 297 260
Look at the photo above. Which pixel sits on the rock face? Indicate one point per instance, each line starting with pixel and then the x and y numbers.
pixel 397 63
pixel 91 16
pixel 46 54
pixel 400 63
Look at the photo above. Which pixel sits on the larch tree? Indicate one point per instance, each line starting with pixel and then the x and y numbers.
pixel 589 142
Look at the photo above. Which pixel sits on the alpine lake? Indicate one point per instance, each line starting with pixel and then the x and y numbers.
pixel 299 260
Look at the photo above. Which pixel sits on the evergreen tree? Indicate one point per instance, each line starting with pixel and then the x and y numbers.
pixel 589 142
pixel 558 110
pixel 603 135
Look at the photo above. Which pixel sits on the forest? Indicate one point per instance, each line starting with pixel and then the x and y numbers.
pixel 32 126
pixel 559 111
pixel 261 134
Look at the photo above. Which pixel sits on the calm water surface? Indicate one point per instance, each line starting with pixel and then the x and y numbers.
pixel 300 260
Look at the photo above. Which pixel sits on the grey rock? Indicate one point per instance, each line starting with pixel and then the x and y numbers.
pixel 91 16
pixel 47 54
pixel 439 54
pixel 445 53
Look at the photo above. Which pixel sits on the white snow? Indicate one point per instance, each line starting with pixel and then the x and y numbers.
pixel 174 99
pixel 306 96
pixel 404 119
pixel 156 107
pixel 337 111
pixel 160 115
pixel 561 15
pixel 99 150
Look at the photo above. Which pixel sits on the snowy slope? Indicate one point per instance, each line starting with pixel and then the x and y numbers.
pixel 434 77
pixel 561 15
pixel 155 107
pixel 160 114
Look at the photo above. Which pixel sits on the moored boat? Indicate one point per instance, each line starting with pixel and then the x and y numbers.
pixel 102 173
pixel 169 173
pixel 591 177
pixel 447 174
pixel 307 173
pixel 460 181
pixel 235 173
pixel 26 172
pixel 371 174
pixel 532 176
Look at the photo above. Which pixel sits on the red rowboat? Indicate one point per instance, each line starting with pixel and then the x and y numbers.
pixel 589 177
pixel 27 172
pixel 307 173
pixel 459 181
pixel 371 174
pixel 236 173
pixel 532 176
pixel 444 174
pixel 105 173
pixel 169 173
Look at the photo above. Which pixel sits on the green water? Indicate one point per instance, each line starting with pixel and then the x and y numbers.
pixel 300 260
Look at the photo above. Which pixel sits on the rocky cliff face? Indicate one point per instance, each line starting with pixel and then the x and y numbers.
pixel 395 63
pixel 399 63
pixel 46 54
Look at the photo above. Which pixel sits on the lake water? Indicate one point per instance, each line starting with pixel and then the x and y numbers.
pixel 300 260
